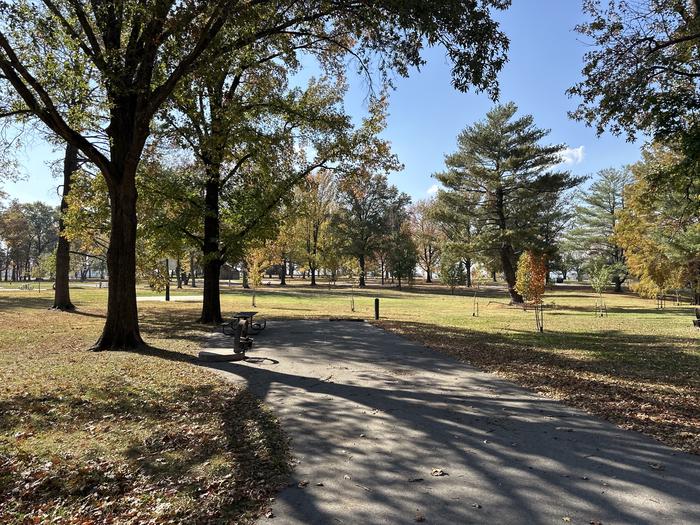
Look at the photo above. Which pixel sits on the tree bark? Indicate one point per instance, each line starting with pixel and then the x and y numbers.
pixel 468 268
pixel 121 330
pixel 211 302
pixel 167 282
pixel 507 252
pixel 192 271
pixel 618 283
pixel 178 272
pixel 361 260
pixel 61 298
pixel 283 273
pixel 507 257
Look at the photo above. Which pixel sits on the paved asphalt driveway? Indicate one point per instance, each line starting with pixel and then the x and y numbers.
pixel 371 414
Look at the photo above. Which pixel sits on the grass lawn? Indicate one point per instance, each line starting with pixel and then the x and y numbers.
pixel 86 436
pixel 124 437
pixel 639 367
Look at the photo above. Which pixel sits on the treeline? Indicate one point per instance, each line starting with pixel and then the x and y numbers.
pixel 189 120
pixel 186 128
pixel 28 238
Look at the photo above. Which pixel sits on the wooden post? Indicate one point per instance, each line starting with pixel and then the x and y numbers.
pixel 376 308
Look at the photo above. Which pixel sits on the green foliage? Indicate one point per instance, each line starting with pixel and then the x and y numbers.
pixel 452 272
pixel 641 73
pixel 600 275
pixel 502 185
pixel 402 256
pixel 45 267
pixel 660 226
pixel 596 216
pixel 29 233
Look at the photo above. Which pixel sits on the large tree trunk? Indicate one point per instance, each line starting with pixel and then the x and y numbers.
pixel 507 252
pixel 178 272
pixel 312 271
pixel 618 283
pixel 468 268
pixel 361 260
pixel 283 273
pixel 192 270
pixel 121 330
pixel 61 298
pixel 211 303
pixel 507 258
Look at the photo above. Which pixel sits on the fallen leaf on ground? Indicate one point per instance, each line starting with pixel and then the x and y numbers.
pixel 438 472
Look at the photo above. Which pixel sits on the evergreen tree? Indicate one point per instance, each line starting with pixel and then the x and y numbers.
pixel 503 170
pixel 596 217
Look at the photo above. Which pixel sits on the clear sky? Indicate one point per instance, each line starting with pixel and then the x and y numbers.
pixel 426 113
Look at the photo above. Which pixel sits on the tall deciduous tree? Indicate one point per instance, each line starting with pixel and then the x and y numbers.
pixel 365 201
pixel 427 236
pixel 501 167
pixel 317 199
pixel 131 45
pixel 642 71
pixel 659 227
pixel 242 111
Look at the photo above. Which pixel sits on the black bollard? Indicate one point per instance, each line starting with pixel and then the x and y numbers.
pixel 376 308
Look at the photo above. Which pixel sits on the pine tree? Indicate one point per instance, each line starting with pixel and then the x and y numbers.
pixel 596 218
pixel 501 167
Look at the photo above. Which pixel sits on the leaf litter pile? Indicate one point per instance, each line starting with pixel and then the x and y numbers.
pixel 121 437
pixel 637 383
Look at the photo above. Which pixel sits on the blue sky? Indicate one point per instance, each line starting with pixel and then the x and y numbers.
pixel 426 113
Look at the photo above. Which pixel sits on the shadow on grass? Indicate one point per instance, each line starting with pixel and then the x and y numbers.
pixel 648 383
pixel 14 302
pixel 10 303
pixel 610 352
pixel 215 448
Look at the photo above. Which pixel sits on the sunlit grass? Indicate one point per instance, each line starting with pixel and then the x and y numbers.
pixel 124 412
pixel 119 434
